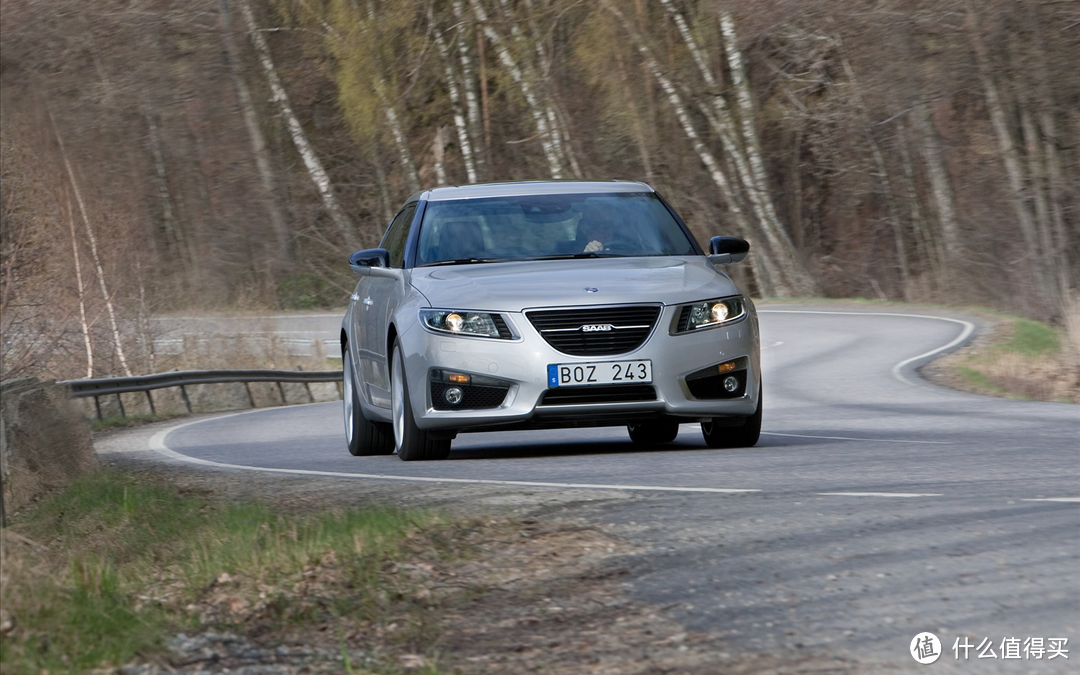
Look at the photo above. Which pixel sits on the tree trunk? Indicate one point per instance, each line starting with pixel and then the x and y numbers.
pixel 455 100
pixel 886 183
pixel 117 342
pixel 296 131
pixel 1010 156
pixel 940 186
pixel 280 229
pixel 83 324
pixel 548 141
pixel 173 234
pixel 468 78
pixel 767 275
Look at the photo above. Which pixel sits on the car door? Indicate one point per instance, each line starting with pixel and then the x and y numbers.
pixel 376 296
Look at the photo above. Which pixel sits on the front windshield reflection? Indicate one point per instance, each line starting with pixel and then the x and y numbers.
pixel 546 227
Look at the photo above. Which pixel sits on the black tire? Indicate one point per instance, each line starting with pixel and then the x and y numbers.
pixel 720 433
pixel 362 436
pixel 413 444
pixel 653 432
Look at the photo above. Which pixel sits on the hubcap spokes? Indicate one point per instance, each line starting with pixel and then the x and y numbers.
pixel 397 396
pixel 348 399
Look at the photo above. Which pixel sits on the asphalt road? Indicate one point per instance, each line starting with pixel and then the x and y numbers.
pixel 875 507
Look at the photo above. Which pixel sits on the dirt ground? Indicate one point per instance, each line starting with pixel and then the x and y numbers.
pixel 537 594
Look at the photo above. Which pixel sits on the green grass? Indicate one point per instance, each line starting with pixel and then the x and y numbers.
pixel 978 379
pixel 126 562
pixel 1031 338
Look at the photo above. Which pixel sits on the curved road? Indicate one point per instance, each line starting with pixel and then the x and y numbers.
pixel 876 506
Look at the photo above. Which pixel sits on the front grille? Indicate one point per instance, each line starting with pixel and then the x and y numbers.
pixel 629 328
pixel 708 384
pixel 474 397
pixel 616 393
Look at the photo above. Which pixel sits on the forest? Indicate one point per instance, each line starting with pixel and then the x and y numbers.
pixel 162 156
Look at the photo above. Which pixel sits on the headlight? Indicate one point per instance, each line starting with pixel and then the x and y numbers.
pixel 461 322
pixel 709 313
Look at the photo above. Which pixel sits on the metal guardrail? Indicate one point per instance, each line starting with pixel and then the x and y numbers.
pixel 107 386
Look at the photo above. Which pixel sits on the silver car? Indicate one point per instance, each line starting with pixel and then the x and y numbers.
pixel 546 305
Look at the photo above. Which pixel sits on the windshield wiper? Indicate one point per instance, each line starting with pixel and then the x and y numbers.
pixel 464 261
pixel 573 256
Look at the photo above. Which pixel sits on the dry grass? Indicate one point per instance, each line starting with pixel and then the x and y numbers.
pixel 101 573
pixel 1020 359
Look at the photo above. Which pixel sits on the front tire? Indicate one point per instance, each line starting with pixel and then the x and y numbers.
pixel 653 432
pixel 362 436
pixel 720 435
pixel 413 443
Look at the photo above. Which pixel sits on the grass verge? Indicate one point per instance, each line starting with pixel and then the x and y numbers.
pixel 1023 359
pixel 101 574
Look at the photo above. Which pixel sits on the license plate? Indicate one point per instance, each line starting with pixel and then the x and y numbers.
pixel 603 372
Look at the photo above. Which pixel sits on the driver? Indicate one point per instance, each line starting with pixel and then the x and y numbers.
pixel 597 228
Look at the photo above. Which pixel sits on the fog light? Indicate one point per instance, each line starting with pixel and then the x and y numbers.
pixel 731 384
pixel 453 395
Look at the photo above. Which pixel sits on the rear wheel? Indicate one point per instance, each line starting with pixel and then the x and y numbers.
pixel 362 436
pixel 720 432
pixel 653 432
pixel 412 442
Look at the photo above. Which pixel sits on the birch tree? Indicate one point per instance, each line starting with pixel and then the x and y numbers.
pixel 744 154
pixel 84 324
pixel 455 100
pixel 311 160
pixel 258 142
pixel 118 343
pixel 469 83
pixel 549 141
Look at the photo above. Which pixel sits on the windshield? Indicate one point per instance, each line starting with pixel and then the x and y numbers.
pixel 539 227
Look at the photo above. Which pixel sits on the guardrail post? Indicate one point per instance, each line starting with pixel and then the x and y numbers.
pixel 307 387
pixel 187 402
pixel 97 406
pixel 150 400
pixel 120 400
pixel 251 399
pixel 281 391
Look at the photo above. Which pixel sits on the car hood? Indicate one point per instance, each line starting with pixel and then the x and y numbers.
pixel 513 286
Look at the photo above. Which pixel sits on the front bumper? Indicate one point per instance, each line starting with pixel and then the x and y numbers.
pixel 522 364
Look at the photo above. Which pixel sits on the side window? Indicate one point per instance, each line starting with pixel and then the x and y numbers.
pixel 398 234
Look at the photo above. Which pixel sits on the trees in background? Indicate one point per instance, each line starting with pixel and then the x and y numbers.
pixel 232 153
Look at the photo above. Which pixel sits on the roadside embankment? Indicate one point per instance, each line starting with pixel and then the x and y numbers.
pixel 44 445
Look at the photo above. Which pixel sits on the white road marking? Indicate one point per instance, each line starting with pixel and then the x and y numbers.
pixel 1067 500
pixel 880 494
pixel 850 438
pixel 969 328
pixel 157 444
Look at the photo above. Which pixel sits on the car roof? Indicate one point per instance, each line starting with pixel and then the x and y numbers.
pixel 525 188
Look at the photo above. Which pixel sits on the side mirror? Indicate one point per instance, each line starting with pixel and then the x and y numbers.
pixel 372 262
pixel 724 250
